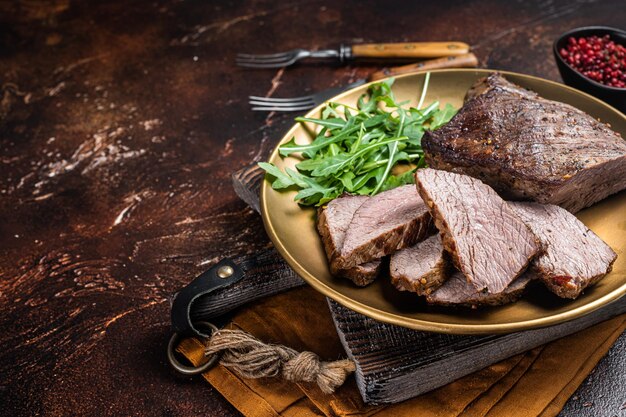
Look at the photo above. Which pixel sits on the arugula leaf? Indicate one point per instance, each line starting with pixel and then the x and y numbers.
pixel 393 148
pixel 394 181
pixel 309 164
pixel 332 164
pixel 336 163
pixel 309 150
pixel 281 180
pixel 334 123
pixel 442 117
pixel 346 179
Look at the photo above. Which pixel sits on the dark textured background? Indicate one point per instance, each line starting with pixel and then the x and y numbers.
pixel 120 123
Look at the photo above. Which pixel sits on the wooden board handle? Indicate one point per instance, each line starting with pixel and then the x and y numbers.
pixel 409 50
pixel 266 273
pixel 468 60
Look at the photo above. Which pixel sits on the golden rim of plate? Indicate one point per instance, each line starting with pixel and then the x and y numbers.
pixel 441 326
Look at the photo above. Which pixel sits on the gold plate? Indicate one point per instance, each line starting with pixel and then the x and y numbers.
pixel 292 229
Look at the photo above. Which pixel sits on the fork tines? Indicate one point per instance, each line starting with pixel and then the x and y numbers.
pixel 282 104
pixel 299 103
pixel 278 60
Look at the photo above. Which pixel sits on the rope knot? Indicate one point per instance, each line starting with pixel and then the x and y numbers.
pixel 251 358
pixel 303 367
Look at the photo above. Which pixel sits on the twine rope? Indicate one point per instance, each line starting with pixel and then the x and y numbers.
pixel 251 358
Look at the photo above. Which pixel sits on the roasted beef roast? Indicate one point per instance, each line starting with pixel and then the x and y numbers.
pixel 574 257
pixel 487 241
pixel 529 148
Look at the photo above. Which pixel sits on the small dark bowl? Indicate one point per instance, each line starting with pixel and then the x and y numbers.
pixel 616 97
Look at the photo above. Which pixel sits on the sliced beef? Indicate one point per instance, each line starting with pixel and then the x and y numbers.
pixel 421 268
pixel 456 291
pixel 574 257
pixel 361 275
pixel 529 148
pixel 487 241
pixel 332 224
pixel 383 224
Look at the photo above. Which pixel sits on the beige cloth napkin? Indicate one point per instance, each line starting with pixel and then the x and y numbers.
pixel 536 383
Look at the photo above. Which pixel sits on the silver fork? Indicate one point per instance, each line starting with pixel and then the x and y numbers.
pixel 345 53
pixel 299 103
pixel 284 59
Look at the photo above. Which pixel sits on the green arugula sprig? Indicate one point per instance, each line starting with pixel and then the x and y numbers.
pixel 356 149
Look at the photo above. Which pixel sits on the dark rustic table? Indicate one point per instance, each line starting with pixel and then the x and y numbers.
pixel 120 124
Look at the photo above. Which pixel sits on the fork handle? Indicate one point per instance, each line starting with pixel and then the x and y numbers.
pixel 468 60
pixel 409 50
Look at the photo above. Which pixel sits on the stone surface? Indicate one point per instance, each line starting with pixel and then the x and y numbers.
pixel 120 124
